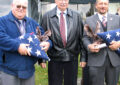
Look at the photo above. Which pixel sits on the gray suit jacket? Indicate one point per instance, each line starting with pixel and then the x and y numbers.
pixel 98 59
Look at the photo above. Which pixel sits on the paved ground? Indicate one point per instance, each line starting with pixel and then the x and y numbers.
pixel 78 81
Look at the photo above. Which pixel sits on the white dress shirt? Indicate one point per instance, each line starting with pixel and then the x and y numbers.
pixel 101 17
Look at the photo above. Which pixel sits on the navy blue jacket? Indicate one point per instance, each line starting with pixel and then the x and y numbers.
pixel 8 32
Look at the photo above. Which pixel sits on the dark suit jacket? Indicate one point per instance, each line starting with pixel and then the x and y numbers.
pixel 74 35
pixel 98 59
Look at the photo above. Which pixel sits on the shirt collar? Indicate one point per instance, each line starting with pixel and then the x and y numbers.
pixel 101 16
pixel 15 19
pixel 58 11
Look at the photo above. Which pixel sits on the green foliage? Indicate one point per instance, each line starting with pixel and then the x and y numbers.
pixel 41 76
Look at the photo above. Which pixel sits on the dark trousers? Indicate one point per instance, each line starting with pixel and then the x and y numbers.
pixel 118 73
pixel 62 72
pixel 85 75
pixel 105 73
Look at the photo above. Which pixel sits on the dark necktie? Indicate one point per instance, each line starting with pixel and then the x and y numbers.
pixel 22 27
pixel 104 21
pixel 62 29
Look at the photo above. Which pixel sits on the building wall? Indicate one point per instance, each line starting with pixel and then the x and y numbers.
pixel 82 8
pixel 39 9
pixel 113 7
pixel 5 7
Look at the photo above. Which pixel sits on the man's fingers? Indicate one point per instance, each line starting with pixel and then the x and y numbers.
pixel 112 42
pixel 42 43
pixel 82 64
pixel 28 52
pixel 43 65
pixel 44 48
pixel 27 45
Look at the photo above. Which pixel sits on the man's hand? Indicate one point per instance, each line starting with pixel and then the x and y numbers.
pixel 82 64
pixel 45 45
pixel 93 47
pixel 43 65
pixel 23 50
pixel 114 45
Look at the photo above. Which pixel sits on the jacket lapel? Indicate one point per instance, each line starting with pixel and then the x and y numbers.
pixel 70 21
pixel 109 22
pixel 97 19
pixel 55 23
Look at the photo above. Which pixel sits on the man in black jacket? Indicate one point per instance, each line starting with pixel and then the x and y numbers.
pixel 67 29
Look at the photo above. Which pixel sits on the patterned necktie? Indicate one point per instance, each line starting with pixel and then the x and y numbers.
pixel 22 27
pixel 62 29
pixel 104 21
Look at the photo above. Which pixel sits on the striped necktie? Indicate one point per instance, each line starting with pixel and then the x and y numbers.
pixel 104 21
pixel 62 29
pixel 21 27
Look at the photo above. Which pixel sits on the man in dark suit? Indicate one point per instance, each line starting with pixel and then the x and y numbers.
pixel 102 62
pixel 66 37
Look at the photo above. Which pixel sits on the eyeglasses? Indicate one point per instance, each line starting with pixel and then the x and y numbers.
pixel 20 6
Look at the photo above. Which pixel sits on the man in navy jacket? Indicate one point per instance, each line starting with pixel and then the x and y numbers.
pixel 18 67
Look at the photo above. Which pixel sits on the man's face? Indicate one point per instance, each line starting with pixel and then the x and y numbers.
pixel 19 9
pixel 62 4
pixel 102 6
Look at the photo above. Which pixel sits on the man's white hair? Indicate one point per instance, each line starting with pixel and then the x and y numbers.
pixel 16 1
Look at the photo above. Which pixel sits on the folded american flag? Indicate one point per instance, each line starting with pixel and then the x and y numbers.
pixel 34 45
pixel 109 36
